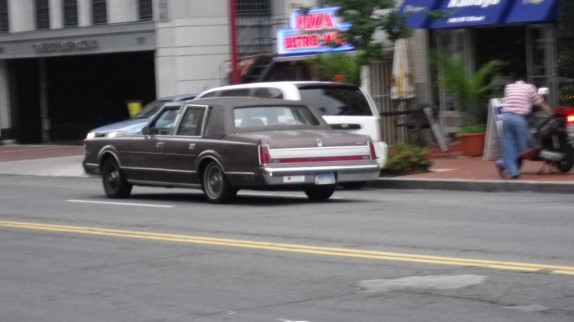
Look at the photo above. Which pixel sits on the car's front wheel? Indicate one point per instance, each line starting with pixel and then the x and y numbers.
pixel 320 192
pixel 114 180
pixel 215 185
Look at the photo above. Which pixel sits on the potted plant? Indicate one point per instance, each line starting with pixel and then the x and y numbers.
pixel 470 93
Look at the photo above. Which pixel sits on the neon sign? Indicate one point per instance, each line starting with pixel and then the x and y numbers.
pixel 317 31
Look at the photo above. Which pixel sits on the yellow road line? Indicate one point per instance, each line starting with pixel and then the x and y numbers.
pixel 329 251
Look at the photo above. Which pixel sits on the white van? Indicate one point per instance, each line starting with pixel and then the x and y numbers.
pixel 345 107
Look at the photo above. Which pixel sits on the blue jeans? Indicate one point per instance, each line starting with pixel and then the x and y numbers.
pixel 515 140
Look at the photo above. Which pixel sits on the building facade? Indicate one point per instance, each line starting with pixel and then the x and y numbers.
pixel 67 66
pixel 533 38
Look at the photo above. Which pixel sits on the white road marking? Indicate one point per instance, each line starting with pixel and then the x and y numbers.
pixel 122 203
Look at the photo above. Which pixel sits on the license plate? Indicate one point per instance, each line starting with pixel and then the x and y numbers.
pixel 325 178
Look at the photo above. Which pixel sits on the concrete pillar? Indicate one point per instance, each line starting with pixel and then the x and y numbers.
pixel 21 15
pixel 84 13
pixel 122 11
pixel 56 14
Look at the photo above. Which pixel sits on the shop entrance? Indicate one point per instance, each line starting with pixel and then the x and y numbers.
pixel 527 51
pixel 62 98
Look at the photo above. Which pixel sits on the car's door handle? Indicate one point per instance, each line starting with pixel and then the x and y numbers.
pixel 160 144
pixel 192 146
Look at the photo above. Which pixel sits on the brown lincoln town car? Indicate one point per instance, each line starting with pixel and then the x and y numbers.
pixel 222 145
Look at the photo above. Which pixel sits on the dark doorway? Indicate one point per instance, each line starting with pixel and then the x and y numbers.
pixel 507 44
pixel 25 100
pixel 83 92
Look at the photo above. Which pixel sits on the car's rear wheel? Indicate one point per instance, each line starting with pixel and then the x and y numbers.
pixel 114 180
pixel 215 186
pixel 320 192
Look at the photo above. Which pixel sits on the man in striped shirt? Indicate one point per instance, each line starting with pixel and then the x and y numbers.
pixel 520 97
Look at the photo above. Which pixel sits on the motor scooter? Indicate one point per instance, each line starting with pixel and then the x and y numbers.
pixel 552 137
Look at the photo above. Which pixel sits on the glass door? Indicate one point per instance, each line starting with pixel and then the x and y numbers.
pixel 449 42
pixel 540 56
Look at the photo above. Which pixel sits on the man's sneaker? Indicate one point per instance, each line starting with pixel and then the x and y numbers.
pixel 502 172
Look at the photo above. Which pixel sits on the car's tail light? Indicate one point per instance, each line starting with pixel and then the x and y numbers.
pixel 264 156
pixel 372 151
pixel 570 119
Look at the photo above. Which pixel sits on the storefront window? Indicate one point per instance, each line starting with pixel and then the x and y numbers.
pixel 70 13
pixel 4 25
pixel 99 12
pixel 145 10
pixel 565 54
pixel 253 7
pixel 42 14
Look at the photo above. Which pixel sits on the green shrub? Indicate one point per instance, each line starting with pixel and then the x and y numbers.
pixel 408 158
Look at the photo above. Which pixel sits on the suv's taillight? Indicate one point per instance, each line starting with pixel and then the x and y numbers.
pixel 264 156
pixel 570 119
pixel 372 151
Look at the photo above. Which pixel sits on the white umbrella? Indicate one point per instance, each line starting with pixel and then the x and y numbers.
pixel 402 85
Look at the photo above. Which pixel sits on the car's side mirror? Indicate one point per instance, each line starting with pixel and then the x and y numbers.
pixel 146 130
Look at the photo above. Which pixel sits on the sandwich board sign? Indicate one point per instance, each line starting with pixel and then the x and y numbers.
pixel 492 145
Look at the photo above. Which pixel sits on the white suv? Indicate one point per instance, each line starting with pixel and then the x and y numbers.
pixel 345 107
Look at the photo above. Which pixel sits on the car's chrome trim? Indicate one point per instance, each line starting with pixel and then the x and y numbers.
pixel 240 173
pixel 282 171
pixel 143 169
pixel 180 171
pixel 164 184
pixel 185 171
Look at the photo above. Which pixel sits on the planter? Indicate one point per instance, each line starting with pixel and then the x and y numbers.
pixel 472 144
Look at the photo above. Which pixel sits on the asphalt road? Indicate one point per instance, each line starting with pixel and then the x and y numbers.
pixel 70 254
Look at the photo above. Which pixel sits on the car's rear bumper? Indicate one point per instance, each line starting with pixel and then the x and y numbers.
pixel 307 175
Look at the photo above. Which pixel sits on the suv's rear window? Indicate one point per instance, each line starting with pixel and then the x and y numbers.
pixel 336 100
pixel 263 116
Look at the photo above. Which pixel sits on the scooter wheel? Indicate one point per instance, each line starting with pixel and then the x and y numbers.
pixel 566 164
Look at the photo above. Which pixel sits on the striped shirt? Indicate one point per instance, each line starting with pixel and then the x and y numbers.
pixel 520 97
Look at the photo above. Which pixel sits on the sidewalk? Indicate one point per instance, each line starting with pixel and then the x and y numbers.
pixel 456 172
pixel 42 160
pixel 450 171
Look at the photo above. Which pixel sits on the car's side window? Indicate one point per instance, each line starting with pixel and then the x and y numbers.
pixel 192 122
pixel 249 117
pixel 336 100
pixel 164 123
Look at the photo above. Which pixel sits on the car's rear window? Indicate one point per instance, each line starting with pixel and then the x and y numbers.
pixel 334 100
pixel 263 116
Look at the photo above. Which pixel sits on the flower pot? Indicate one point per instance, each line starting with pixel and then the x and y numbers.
pixel 472 144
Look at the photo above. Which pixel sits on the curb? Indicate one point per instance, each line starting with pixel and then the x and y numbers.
pixel 474 185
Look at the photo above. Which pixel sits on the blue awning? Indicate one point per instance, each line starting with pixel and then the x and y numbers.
pixel 533 11
pixel 417 12
pixel 465 13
